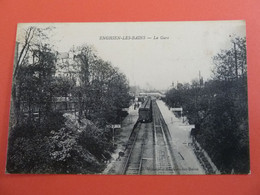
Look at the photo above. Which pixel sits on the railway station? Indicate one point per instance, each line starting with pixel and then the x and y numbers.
pixel 148 106
pixel 153 141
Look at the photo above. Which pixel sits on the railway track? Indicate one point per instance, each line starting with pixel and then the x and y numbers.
pixel 138 160
pixel 149 149
pixel 164 159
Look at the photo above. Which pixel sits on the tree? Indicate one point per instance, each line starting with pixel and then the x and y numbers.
pixel 33 36
pixel 36 83
pixel 84 57
pixel 220 108
pixel 231 64
pixel 102 90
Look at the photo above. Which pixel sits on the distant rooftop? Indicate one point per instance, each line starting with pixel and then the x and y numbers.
pixel 63 55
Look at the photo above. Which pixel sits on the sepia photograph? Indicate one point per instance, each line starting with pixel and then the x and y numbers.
pixel 129 98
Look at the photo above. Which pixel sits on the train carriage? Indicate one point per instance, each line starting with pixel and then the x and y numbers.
pixel 145 111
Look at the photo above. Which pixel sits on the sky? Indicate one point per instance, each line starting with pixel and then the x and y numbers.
pixel 182 50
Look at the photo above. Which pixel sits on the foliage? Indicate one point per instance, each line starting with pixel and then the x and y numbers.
pixel 70 148
pixel 103 90
pixel 219 107
pixel 231 63
pixel 41 139
pixel 29 147
pixel 34 45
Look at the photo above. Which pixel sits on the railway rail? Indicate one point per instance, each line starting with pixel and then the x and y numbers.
pixel 164 157
pixel 138 160
pixel 149 149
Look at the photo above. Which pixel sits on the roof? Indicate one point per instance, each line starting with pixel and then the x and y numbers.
pixel 63 55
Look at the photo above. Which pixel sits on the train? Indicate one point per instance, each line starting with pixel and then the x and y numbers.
pixel 145 111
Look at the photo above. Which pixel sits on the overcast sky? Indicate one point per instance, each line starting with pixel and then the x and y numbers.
pixel 148 62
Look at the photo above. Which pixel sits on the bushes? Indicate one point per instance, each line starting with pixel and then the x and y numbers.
pixel 69 156
pixel 220 107
pixel 28 154
pixel 67 146
pixel 41 139
pixel 28 146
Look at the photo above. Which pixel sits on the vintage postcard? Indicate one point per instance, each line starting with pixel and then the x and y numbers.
pixel 130 98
